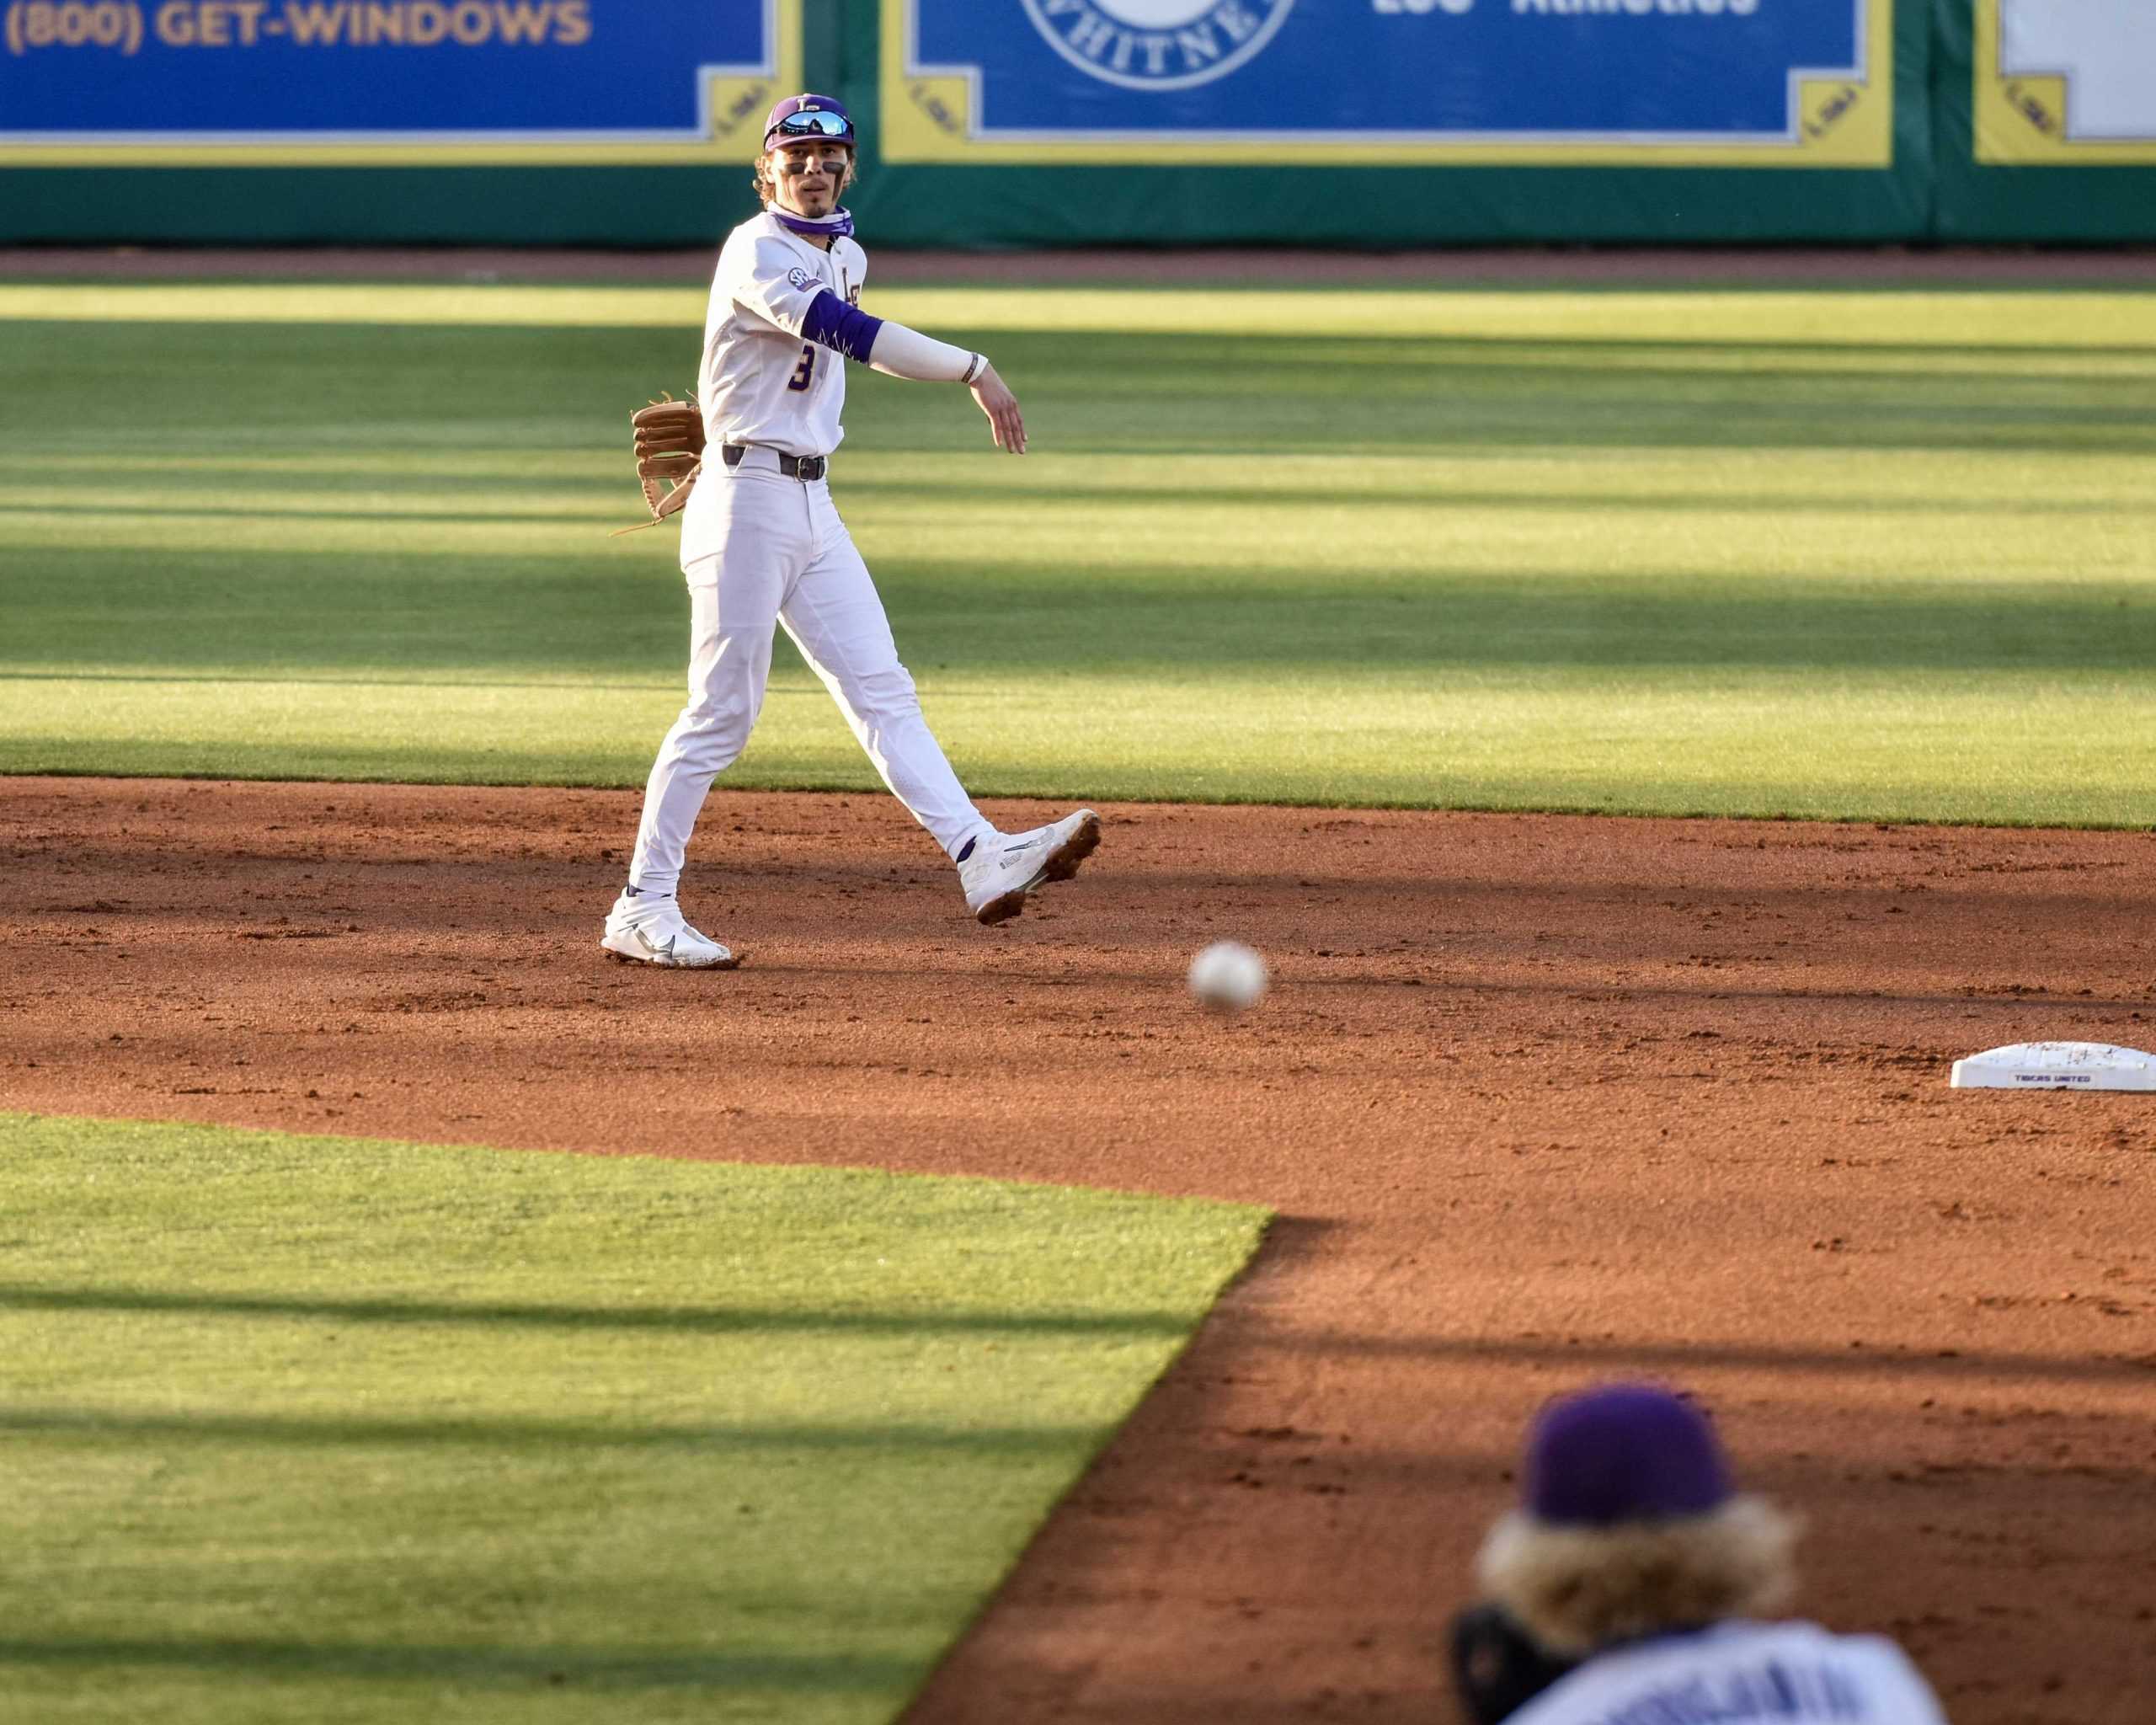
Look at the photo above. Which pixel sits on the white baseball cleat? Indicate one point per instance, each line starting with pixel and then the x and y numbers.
pixel 1006 865
pixel 652 931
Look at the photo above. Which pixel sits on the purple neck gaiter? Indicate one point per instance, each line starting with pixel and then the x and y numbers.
pixel 838 225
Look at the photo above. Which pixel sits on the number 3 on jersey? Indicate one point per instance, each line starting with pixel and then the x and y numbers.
pixel 807 369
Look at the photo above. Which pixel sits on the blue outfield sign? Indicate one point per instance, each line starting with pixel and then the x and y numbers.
pixel 272 82
pixel 1803 83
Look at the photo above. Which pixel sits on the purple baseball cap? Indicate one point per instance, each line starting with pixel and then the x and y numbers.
pixel 808 116
pixel 1624 1452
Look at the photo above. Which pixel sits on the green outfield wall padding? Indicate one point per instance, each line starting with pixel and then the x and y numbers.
pixel 1924 121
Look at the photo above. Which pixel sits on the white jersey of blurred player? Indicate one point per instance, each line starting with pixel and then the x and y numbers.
pixel 1778 1673
pixel 763 546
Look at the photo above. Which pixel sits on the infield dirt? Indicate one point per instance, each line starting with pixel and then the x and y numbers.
pixel 1540 1100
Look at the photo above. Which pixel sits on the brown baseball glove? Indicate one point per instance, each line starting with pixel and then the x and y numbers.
pixel 669 451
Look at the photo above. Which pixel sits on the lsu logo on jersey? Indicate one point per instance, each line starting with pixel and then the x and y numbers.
pixel 1158 45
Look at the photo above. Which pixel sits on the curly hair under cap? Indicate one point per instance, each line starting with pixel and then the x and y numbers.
pixel 1576 1589
pixel 767 188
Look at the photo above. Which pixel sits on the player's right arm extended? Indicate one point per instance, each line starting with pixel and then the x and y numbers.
pixel 890 347
pixel 760 276
pixel 885 346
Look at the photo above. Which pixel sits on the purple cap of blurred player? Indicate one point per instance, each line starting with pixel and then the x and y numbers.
pixel 1624 1452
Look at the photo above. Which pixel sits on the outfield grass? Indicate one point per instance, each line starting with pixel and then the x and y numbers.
pixel 1856 554
pixel 340 1431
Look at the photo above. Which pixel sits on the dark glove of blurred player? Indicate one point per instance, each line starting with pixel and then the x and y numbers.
pixel 1496 1666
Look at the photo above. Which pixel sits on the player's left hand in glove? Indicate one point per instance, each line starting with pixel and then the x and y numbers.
pixel 668 436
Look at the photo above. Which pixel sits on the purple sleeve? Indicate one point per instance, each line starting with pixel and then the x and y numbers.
pixel 847 330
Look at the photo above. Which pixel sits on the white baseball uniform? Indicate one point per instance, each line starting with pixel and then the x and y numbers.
pixel 1778 1674
pixel 760 549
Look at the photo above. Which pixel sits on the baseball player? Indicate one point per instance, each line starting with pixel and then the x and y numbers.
pixel 762 544
pixel 1620 1592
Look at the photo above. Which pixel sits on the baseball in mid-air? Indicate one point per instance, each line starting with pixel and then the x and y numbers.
pixel 1228 976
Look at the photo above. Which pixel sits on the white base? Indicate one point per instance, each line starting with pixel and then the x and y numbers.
pixel 2057 1065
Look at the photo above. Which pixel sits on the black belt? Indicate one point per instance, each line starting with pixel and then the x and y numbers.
pixel 794 466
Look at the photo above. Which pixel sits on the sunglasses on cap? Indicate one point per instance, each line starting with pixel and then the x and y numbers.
pixel 814 122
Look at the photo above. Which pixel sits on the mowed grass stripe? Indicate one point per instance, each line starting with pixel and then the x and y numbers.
pixel 1860 555
pixel 348 1430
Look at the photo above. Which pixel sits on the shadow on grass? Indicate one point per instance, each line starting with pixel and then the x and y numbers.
pixel 1436 490
pixel 694 1320
pixel 293 1431
pixel 561 388
pixel 553 1666
pixel 289 614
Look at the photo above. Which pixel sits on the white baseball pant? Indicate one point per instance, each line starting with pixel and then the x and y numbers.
pixel 758 549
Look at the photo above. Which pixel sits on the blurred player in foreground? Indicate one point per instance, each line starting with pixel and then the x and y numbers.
pixel 1622 1590
pixel 762 544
